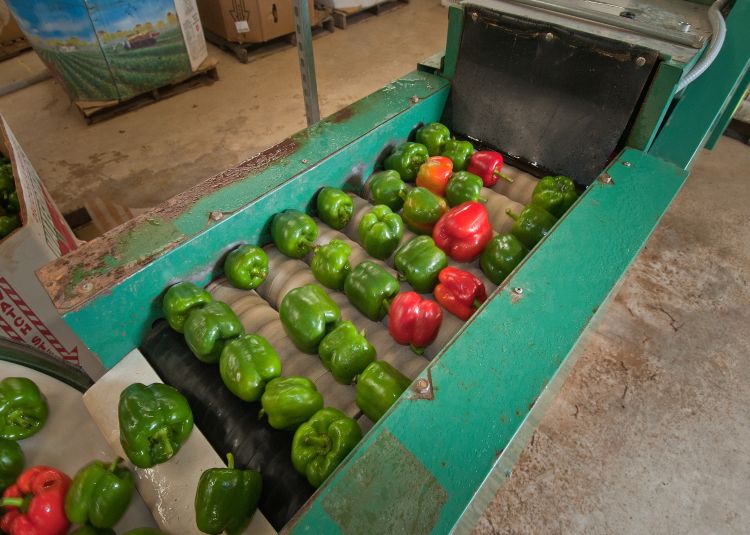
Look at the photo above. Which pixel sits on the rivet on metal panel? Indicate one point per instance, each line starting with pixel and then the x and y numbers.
pixel 516 295
pixel 304 161
pixel 640 61
pixel 474 16
pixel 216 215
pixel 414 99
pixel 549 36
pixel 423 387
pixel 627 164
pixel 684 26
pixel 606 178
pixel 518 291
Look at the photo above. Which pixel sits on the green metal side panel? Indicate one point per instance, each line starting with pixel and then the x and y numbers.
pixel 704 101
pixel 734 103
pixel 444 445
pixel 339 151
pixel 453 42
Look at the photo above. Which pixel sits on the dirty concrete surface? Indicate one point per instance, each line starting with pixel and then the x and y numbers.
pixel 142 158
pixel 650 432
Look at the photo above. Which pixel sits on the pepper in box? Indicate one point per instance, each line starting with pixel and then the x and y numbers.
pixel 99 494
pixel 23 408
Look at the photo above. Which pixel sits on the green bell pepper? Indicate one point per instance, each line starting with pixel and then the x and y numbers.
pixel 246 267
pixel 226 499
pixel 406 160
pixel 330 264
pixel 463 186
pixel 531 225
pixel 420 261
pixel 155 421
pixel 294 233
pixel 380 231
pixel 12 203
pixel 23 408
pixel 308 313
pixel 8 223
pixel 91 530
pixel 346 352
pixel 459 153
pixel 555 194
pixel 370 289
pixel 99 494
pixel 386 187
pixel 434 136
pixel 501 256
pixel 208 328
pixel 422 209
pixel 180 300
pixel 321 443
pixel 12 462
pixel 335 207
pixel 378 387
pixel 247 363
pixel 289 401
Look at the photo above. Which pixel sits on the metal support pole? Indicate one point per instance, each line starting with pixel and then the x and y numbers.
pixel 306 60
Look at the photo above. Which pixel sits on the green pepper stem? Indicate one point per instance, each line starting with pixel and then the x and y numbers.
pixel 513 216
pixel 12 502
pixel 481 199
pixel 230 460
pixel 17 417
pixel 477 303
pixel 387 304
pixel 115 463
pixel 417 350
pixel 261 413
pixel 498 174
pixel 162 437
pixel 318 441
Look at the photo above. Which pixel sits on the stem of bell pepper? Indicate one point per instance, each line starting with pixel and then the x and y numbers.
pixel 18 418
pixel 322 442
pixel 417 350
pixel 498 174
pixel 513 216
pixel 113 466
pixel 162 437
pixel 230 461
pixel 13 502
pixel 477 303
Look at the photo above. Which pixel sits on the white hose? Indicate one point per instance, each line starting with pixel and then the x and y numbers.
pixel 719 28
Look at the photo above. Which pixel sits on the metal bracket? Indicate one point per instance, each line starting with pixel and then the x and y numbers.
pixel 303 32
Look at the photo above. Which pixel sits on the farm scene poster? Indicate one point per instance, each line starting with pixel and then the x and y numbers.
pixel 106 49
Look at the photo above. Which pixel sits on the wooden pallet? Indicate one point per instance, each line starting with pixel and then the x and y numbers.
pixel 12 48
pixel 97 111
pixel 247 52
pixel 344 17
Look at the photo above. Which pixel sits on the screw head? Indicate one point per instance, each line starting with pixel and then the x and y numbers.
pixel 414 99
pixel 303 161
pixel 549 36
pixel 684 26
pixel 216 215
pixel 606 178
pixel 422 386
pixel 640 61
pixel 518 290
pixel 474 16
pixel 627 164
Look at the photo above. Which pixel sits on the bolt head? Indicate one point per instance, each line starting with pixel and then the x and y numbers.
pixel 606 178
pixel 304 161
pixel 518 290
pixel 414 99
pixel 549 36
pixel 422 386
pixel 627 164
pixel 216 215
pixel 684 26
pixel 474 16
pixel 640 61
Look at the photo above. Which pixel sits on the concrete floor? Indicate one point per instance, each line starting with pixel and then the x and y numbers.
pixel 142 158
pixel 650 432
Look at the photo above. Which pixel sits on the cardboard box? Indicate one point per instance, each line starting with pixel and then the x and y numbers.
pixel 9 30
pixel 113 50
pixel 27 314
pixel 249 21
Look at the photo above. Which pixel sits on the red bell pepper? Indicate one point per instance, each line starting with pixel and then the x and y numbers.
pixel 434 174
pixel 463 231
pixel 35 504
pixel 460 292
pixel 414 321
pixel 487 164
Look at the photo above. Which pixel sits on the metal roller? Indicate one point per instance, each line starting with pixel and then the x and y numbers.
pixel 497 204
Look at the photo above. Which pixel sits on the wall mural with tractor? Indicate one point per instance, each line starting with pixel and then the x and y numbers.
pixel 104 50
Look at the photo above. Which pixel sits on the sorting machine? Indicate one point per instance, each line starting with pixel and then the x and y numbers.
pixel 592 90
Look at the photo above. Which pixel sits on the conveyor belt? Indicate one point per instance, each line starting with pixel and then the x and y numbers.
pixel 231 424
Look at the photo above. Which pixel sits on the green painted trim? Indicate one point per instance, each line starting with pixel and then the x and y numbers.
pixel 431 64
pixel 453 41
pixel 484 391
pixel 339 151
pixel 704 102
pixel 726 118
